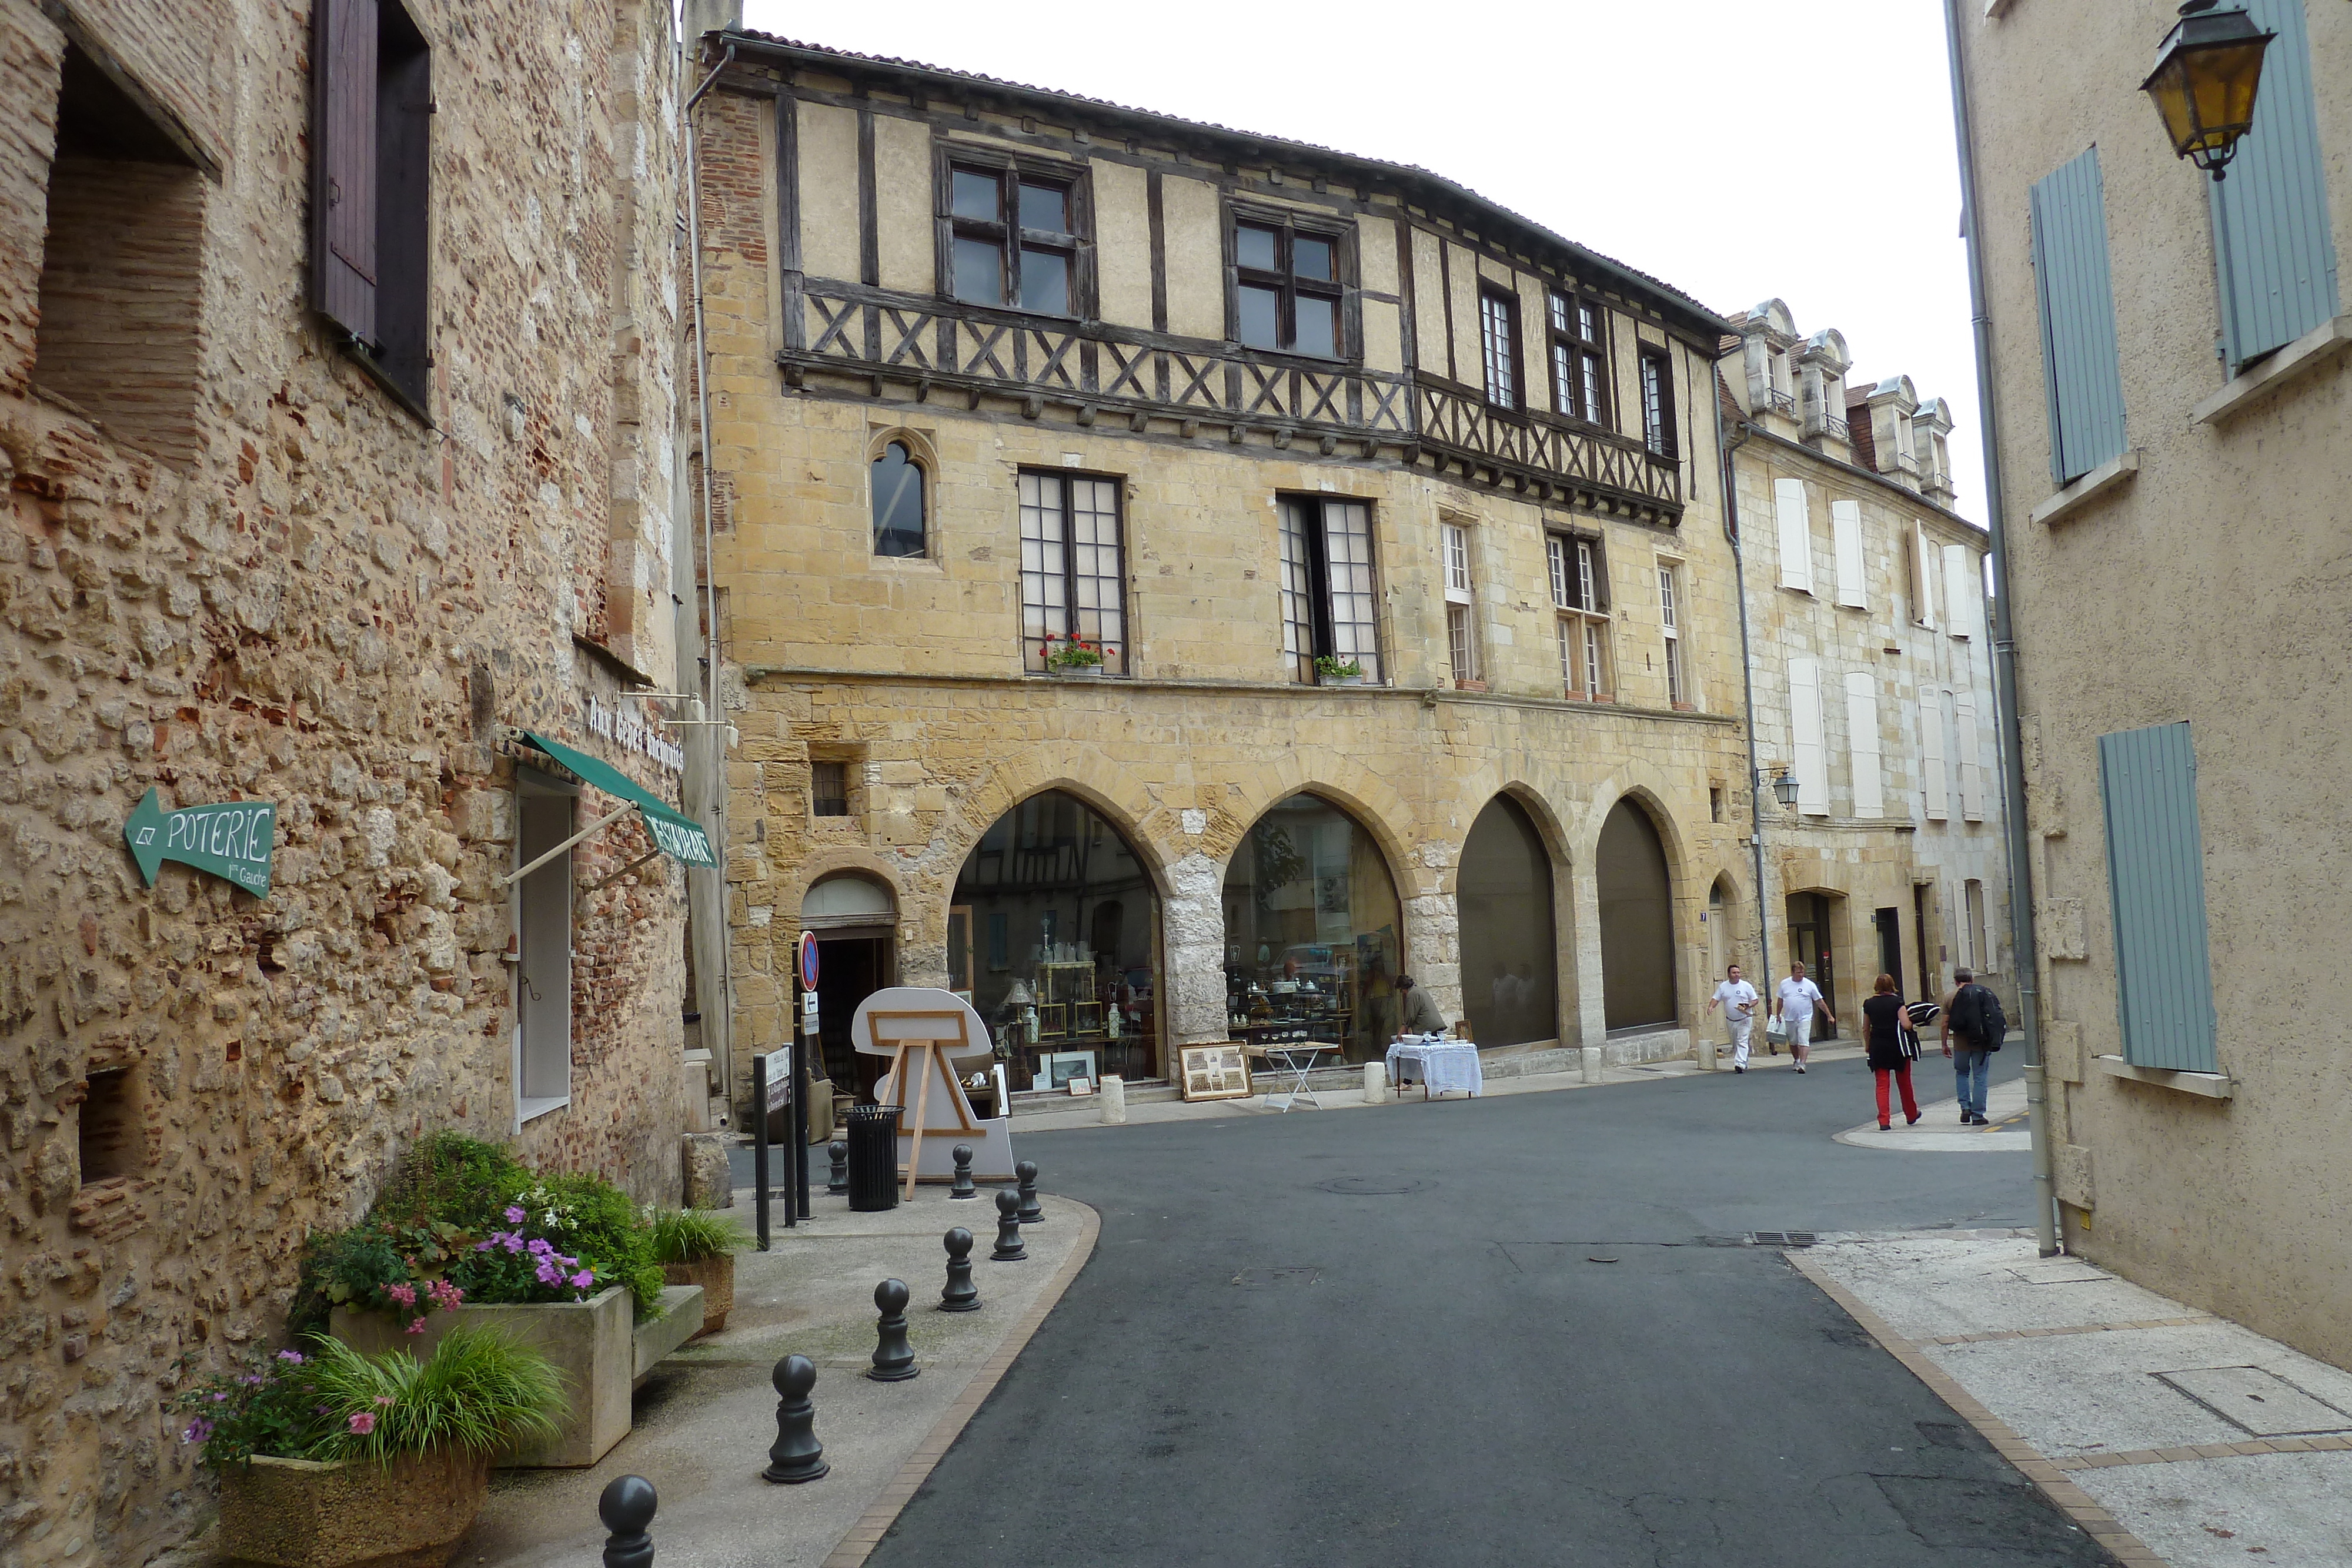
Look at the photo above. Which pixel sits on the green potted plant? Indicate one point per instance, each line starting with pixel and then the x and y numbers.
pixel 329 1458
pixel 698 1247
pixel 1075 655
pixel 1330 670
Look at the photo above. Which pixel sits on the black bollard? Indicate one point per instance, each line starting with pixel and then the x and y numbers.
pixel 962 1187
pixel 894 1358
pixel 626 1506
pixel 1030 1213
pixel 836 1179
pixel 960 1295
pixel 1008 1228
pixel 797 1455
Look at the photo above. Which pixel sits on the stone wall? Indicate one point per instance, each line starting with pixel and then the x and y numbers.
pixel 293 590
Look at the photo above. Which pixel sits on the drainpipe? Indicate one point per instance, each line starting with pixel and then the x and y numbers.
pixel 2004 676
pixel 1748 686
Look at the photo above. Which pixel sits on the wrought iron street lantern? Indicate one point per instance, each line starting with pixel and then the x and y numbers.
pixel 1784 789
pixel 2207 71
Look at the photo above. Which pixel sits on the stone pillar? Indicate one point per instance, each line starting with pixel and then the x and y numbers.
pixel 1705 1050
pixel 1113 1094
pixel 1376 1082
pixel 1591 1006
pixel 1595 1064
pixel 1195 937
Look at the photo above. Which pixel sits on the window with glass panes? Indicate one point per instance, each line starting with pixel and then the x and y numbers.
pixel 1328 596
pixel 1670 623
pixel 829 788
pixel 1499 337
pixel 1580 367
pixel 1287 287
pixel 1073 568
pixel 1013 238
pixel 1657 403
pixel 1581 596
pixel 1461 629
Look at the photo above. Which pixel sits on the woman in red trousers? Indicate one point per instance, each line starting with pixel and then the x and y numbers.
pixel 1883 1023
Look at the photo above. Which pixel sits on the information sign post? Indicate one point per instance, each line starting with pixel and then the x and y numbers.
pixel 808 1037
pixel 759 1146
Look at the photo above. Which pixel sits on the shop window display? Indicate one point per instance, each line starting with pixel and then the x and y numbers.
pixel 1313 942
pixel 1057 922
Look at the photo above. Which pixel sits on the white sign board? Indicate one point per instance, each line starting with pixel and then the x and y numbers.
pixel 780 1078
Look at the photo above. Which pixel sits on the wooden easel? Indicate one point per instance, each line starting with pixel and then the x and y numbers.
pixel 929 1052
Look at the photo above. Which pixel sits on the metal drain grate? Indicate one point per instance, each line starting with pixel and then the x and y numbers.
pixel 1781 1238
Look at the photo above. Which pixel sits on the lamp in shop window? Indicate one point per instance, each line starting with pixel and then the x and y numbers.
pixel 1784 789
pixel 2208 70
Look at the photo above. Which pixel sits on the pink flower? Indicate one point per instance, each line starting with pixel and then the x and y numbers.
pixel 583 1279
pixel 416 1327
pixel 383 1401
pixel 406 1294
pixel 363 1423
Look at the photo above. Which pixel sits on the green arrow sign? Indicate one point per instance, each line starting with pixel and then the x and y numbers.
pixel 232 841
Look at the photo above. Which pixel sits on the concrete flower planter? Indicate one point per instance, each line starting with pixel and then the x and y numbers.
pixel 589 1342
pixel 300 1514
pixel 717 1278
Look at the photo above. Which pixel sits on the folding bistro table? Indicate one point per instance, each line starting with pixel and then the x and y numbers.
pixel 1297 1057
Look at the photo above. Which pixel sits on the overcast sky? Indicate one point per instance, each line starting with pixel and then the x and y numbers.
pixel 1739 149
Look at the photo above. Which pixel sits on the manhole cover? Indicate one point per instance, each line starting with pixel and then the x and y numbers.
pixel 1374 1186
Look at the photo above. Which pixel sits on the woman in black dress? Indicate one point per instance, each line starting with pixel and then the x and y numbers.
pixel 1882 1026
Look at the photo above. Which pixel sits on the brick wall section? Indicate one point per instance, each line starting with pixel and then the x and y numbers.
pixel 328 606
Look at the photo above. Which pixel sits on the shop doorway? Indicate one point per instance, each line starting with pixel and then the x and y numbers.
pixel 1811 943
pixel 1929 987
pixel 1637 920
pixel 1314 933
pixel 1503 895
pixel 855 922
pixel 1890 948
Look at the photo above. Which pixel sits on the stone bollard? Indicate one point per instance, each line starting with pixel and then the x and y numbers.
pixel 1026 1172
pixel 836 1176
pixel 627 1506
pixel 1596 1067
pixel 1376 1082
pixel 1707 1053
pixel 894 1358
pixel 1008 1228
pixel 1114 1099
pixel 960 1294
pixel 962 1186
pixel 797 1455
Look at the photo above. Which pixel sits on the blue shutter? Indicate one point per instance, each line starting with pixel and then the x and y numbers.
pixel 2078 319
pixel 2155 877
pixel 2282 276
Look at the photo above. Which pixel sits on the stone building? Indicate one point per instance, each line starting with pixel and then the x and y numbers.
pixel 1396 518
pixel 1872 675
pixel 2165 360
pixel 337 387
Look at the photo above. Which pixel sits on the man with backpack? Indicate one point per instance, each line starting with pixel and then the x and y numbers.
pixel 1972 1013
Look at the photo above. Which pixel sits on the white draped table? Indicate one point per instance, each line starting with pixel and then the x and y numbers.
pixel 1439 1064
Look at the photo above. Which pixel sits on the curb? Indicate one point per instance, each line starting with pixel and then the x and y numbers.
pixel 2072 1500
pixel 875 1523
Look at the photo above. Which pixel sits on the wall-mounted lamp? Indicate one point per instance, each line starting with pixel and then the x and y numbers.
pixel 1784 789
pixel 2208 70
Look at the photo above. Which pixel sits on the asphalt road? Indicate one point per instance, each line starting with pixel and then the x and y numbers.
pixel 1485 1333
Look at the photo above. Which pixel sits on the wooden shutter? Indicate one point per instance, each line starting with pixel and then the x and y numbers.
pixel 342 164
pixel 1972 767
pixel 1923 587
pixel 1861 745
pixel 1600 573
pixel 1790 505
pixel 1805 734
pixel 2283 263
pixel 1963 591
pixel 2155 879
pixel 2081 377
pixel 1846 530
pixel 1933 778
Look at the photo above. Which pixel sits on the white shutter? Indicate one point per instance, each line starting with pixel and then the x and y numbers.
pixel 1963 592
pixel 1789 505
pixel 1862 744
pixel 1923 585
pixel 1805 733
pixel 1457 543
pixel 1971 774
pixel 1931 757
pixel 1846 528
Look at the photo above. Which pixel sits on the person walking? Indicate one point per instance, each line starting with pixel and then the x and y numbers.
pixel 1737 999
pixel 1794 1003
pixel 1883 1027
pixel 1973 1023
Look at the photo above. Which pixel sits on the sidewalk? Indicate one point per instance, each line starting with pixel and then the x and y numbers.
pixel 2175 1436
pixel 1939 1130
pixel 706 1419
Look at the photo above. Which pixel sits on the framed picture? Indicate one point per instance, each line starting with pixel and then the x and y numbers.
pixel 1079 1086
pixel 1056 1069
pixel 1214 1071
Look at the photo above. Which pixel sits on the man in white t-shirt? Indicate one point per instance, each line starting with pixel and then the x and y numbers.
pixel 1737 999
pixel 1795 1002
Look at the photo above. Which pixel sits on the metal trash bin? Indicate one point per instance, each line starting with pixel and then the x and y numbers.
pixel 873 1156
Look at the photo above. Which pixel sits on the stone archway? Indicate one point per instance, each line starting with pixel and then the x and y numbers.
pixel 1505 913
pixel 1637 920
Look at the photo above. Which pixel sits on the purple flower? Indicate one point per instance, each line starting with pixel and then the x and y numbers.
pixel 481 1247
pixel 583 1279
pixel 541 1246
pixel 220 1398
pixel 291 1357
pixel 513 1239
pixel 514 1215
pixel 198 1431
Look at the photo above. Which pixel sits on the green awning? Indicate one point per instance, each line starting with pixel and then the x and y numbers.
pixel 674 833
